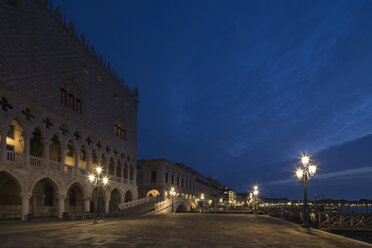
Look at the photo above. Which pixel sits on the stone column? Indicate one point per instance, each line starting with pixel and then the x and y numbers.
pixel 46 143
pixel 61 205
pixel 134 174
pixel 129 165
pixel 89 158
pixel 26 151
pixel 115 165
pixel 77 155
pixel 107 202
pixel 63 155
pixel 3 143
pixel 122 173
pixel 25 208
pixel 86 204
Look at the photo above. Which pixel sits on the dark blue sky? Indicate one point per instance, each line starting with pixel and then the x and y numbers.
pixel 238 89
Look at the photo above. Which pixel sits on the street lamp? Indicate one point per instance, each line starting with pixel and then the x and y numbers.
pixel 172 193
pixel 202 202
pixel 255 193
pixel 303 175
pixel 97 179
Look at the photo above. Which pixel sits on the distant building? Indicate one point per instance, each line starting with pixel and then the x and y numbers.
pixel 63 112
pixel 156 177
pixel 229 196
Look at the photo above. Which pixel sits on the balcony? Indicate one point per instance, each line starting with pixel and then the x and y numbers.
pixel 17 160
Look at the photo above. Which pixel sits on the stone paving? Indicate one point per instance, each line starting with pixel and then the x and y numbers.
pixel 172 230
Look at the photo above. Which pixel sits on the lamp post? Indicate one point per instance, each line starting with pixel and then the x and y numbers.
pixel 202 202
pixel 255 193
pixel 98 179
pixel 172 193
pixel 304 175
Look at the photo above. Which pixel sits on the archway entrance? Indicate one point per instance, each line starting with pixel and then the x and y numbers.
pixel 114 200
pixel 128 196
pixel 10 202
pixel 181 209
pixel 44 202
pixel 153 193
pixel 74 202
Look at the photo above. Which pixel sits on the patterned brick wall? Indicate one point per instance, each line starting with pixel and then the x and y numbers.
pixel 38 53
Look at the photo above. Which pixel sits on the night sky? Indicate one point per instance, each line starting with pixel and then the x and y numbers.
pixel 239 89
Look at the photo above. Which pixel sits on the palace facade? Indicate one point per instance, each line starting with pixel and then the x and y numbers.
pixel 63 112
pixel 156 177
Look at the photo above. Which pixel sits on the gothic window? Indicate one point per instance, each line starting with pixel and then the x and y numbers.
pixel 85 69
pixel 153 176
pixel 78 106
pixel 71 101
pixel 119 132
pixel 10 133
pixel 70 150
pixel 83 155
pixel 172 179
pixel 99 78
pixel 63 97
pixel 70 95
pixel 166 177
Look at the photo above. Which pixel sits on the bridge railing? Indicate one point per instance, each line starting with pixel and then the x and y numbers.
pixel 135 203
pixel 324 220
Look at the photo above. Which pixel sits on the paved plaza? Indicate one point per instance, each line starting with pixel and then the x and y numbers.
pixel 172 230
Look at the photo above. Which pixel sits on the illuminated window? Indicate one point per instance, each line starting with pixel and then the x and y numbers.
pixel 99 78
pixel 83 155
pixel 85 69
pixel 10 148
pixel 70 150
pixel 116 98
pixel 116 129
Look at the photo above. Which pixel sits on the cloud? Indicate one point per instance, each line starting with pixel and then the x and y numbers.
pixel 352 172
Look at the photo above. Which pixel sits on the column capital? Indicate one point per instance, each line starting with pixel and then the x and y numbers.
pixel 62 197
pixel 25 195
pixel 46 141
pixel 87 198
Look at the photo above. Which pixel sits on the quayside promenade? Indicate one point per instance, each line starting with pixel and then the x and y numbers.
pixel 171 230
